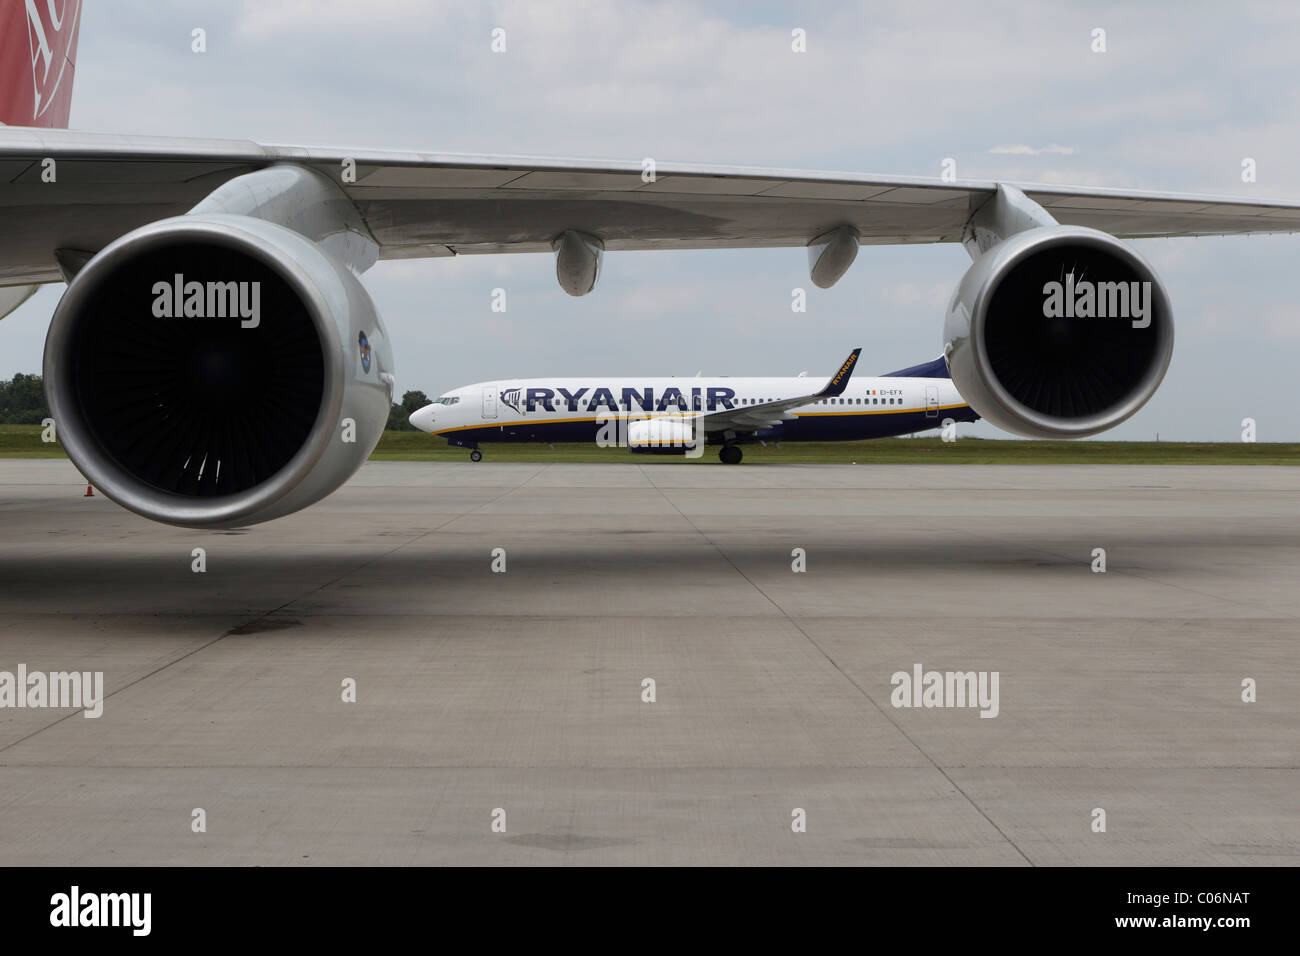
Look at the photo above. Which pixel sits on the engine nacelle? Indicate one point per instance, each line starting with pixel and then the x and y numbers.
pixel 662 435
pixel 217 370
pixel 1044 364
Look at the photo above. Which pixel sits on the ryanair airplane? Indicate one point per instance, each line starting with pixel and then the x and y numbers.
pixel 682 415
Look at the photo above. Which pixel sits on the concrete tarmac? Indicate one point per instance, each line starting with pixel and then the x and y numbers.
pixel 482 694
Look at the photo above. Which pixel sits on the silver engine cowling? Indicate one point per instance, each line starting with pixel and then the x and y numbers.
pixel 1059 376
pixel 217 420
pixel 663 435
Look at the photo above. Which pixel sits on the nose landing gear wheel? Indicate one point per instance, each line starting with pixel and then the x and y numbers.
pixel 476 455
pixel 730 454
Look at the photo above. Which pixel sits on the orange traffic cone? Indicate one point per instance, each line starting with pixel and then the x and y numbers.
pixel 90 492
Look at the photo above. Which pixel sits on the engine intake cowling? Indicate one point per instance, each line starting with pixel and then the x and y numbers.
pixel 1059 332
pixel 217 370
pixel 664 435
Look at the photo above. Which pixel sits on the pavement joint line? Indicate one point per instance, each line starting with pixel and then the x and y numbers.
pixel 477 508
pixel 79 711
pixel 860 689
pixel 264 614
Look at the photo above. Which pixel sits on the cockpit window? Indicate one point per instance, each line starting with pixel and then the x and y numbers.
pixel 447 400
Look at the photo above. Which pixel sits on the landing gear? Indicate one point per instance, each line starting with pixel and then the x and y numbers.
pixel 730 454
pixel 475 455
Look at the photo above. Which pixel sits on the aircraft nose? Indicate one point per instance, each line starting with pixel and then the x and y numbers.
pixel 422 418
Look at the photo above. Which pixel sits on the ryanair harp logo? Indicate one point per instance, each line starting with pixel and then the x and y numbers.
pixel 514 398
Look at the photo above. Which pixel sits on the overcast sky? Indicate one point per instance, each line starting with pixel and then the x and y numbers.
pixel 1012 90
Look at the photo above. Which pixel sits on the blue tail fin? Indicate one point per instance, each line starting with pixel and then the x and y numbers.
pixel 935 369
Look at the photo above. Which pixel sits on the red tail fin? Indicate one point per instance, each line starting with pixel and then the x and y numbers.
pixel 38 49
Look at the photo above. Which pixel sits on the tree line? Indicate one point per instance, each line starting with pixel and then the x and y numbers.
pixel 22 401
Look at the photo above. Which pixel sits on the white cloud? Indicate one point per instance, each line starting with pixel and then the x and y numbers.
pixel 1022 150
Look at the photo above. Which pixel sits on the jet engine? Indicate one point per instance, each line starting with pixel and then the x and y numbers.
pixel 216 370
pixel 663 435
pixel 1058 331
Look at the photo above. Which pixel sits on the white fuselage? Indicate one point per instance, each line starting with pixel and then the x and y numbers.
pixel 572 409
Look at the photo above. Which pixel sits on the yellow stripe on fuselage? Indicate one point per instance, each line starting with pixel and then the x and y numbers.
pixel 880 411
pixel 643 416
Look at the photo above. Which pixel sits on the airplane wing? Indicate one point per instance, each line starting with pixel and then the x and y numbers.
pixel 70 190
pixel 750 418
pixel 151 409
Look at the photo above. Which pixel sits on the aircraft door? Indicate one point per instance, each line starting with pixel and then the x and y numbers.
pixel 489 403
pixel 932 401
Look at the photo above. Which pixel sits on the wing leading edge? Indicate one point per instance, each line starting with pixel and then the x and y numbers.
pixel 430 204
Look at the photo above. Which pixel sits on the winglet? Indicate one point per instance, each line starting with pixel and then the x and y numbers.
pixel 840 380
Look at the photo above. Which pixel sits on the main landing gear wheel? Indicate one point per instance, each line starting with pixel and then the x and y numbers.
pixel 730 454
pixel 476 455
